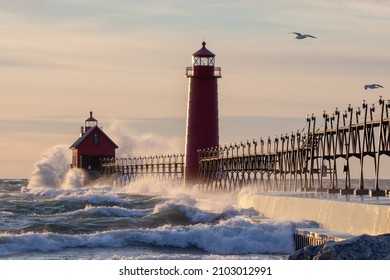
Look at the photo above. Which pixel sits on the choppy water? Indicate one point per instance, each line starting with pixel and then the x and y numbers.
pixel 53 216
pixel 141 221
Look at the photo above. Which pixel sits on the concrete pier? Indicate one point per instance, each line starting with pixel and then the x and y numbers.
pixel 352 215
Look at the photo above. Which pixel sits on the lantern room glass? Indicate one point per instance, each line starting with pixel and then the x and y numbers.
pixel 203 61
pixel 90 123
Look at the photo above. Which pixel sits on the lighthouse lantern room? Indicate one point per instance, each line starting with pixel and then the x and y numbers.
pixel 92 146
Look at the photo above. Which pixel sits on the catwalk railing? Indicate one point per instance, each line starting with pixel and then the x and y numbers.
pixel 323 159
pixel 162 167
pixel 304 160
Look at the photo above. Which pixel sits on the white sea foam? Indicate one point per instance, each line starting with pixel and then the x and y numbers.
pixel 108 211
pixel 217 226
pixel 132 143
pixel 50 170
pixel 93 198
pixel 193 214
pixel 233 236
pixel 53 171
pixel 178 194
pixel 112 211
pixel 74 178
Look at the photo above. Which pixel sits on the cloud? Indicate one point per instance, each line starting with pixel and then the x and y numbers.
pixel 22 7
pixel 366 7
pixel 31 63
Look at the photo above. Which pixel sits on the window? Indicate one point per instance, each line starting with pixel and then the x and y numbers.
pixel 196 60
pixel 90 123
pixel 203 61
pixel 96 138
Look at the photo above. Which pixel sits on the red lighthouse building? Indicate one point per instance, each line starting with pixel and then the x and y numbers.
pixel 202 111
pixel 92 146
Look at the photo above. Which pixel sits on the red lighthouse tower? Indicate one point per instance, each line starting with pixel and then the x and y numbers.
pixel 202 111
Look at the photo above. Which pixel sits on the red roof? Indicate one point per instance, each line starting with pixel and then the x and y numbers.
pixel 203 52
pixel 85 135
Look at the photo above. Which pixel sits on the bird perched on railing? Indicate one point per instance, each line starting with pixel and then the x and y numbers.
pixel 372 86
pixel 302 36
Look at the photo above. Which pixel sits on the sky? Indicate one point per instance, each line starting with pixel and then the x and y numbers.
pixel 125 60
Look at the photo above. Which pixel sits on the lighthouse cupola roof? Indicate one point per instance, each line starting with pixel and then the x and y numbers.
pixel 203 52
pixel 90 122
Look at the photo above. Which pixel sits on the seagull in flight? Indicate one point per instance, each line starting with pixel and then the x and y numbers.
pixel 302 36
pixel 372 86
